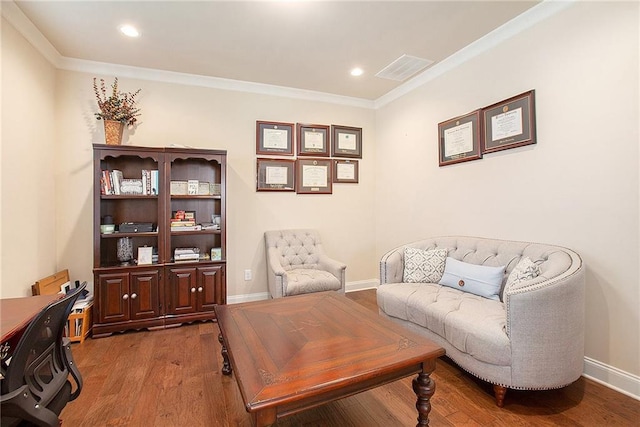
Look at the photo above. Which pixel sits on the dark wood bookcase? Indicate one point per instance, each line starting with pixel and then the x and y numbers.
pixel 166 292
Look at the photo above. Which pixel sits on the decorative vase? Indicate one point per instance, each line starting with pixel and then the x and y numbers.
pixel 125 250
pixel 113 132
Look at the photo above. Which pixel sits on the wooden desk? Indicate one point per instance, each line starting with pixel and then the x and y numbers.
pixel 16 314
pixel 294 353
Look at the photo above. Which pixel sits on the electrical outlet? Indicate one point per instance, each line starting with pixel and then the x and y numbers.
pixel 247 275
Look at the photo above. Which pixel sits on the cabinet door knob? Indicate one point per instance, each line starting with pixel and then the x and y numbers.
pixel 200 289
pixel 133 296
pixel 125 296
pixel 193 290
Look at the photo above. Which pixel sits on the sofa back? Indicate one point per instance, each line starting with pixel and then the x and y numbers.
pixel 553 261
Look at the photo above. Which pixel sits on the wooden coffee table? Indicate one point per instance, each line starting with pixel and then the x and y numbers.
pixel 295 353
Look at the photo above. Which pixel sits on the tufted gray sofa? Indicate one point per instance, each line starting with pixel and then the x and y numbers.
pixel 532 339
pixel 297 264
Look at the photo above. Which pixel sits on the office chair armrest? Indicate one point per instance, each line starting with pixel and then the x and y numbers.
pixel 71 366
pixel 20 404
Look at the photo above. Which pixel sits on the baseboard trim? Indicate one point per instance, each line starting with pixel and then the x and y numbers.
pixel 614 378
pixel 237 299
pixel 361 285
pixel 358 285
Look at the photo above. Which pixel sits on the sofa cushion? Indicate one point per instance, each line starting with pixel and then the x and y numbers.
pixel 422 266
pixel 305 280
pixel 480 280
pixel 472 324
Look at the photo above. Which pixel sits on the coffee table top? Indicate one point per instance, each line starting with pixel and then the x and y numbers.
pixel 309 346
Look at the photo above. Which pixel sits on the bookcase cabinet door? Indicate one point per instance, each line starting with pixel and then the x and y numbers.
pixel 144 297
pixel 210 287
pixel 113 298
pixel 181 291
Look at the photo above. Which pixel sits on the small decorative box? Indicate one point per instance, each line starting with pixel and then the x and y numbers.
pixel 179 188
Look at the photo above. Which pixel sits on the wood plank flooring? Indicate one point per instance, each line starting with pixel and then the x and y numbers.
pixel 172 378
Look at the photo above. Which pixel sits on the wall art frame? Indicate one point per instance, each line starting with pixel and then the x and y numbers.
pixel 459 139
pixel 313 140
pixel 345 171
pixel 274 138
pixel 314 176
pixel 275 174
pixel 346 141
pixel 510 123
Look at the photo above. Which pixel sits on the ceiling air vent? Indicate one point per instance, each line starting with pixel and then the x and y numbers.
pixel 403 68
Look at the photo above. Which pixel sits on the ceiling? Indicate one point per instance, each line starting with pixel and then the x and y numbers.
pixel 310 45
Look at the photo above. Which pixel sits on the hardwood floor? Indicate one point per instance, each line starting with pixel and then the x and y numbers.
pixel 172 378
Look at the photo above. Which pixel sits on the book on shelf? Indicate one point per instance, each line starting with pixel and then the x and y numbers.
pixel 196 227
pixel 182 223
pixel 181 251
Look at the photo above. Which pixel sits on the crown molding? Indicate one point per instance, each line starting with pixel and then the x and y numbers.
pixel 12 13
pixel 81 65
pixel 538 13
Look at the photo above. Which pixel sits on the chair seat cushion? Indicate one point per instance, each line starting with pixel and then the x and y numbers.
pixel 304 280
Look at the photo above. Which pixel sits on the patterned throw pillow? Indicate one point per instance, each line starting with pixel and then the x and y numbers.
pixel 422 266
pixel 525 270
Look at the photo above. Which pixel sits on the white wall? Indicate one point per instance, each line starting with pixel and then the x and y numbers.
pixel 578 187
pixel 212 118
pixel 27 162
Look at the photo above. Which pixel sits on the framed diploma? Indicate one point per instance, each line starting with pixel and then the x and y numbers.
pixel 346 141
pixel 275 175
pixel 314 176
pixel 510 123
pixel 274 138
pixel 313 140
pixel 345 171
pixel 459 139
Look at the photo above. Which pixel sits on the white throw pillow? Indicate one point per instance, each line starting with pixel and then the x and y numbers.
pixel 480 280
pixel 422 266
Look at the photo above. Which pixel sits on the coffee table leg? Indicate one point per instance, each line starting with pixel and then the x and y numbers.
pixel 264 418
pixel 424 387
pixel 226 366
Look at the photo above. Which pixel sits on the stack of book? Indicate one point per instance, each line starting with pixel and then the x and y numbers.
pixel 184 221
pixel 186 254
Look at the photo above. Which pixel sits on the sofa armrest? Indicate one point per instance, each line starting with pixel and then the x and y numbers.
pixel 545 324
pixel 392 266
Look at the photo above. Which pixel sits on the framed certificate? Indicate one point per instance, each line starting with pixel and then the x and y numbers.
pixel 346 141
pixel 459 139
pixel 314 176
pixel 313 140
pixel 275 175
pixel 345 171
pixel 510 123
pixel 274 138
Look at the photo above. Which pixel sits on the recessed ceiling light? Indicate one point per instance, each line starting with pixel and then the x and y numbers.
pixel 129 31
pixel 357 72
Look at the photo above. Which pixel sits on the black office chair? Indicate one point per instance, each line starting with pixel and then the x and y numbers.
pixel 36 384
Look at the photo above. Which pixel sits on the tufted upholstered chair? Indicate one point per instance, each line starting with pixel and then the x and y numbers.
pixel 297 264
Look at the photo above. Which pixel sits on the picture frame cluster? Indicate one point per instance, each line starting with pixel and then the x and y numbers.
pixel 322 155
pixel 507 124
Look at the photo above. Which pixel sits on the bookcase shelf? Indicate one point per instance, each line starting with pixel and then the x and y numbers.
pixel 131 296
